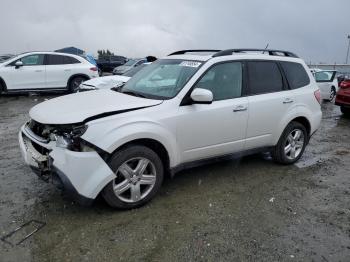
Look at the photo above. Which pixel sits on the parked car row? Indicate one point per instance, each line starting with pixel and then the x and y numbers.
pixel 332 87
pixel 180 111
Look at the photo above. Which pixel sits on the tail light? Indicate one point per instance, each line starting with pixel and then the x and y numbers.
pixel 94 69
pixel 317 94
pixel 345 84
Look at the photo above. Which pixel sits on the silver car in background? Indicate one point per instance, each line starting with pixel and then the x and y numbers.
pixel 132 63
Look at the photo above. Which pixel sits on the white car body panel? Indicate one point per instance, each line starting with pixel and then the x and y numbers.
pixel 187 132
pixel 30 77
pixel 223 134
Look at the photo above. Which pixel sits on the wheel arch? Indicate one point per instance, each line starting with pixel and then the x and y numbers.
pixel 152 144
pixel 299 114
pixel 305 122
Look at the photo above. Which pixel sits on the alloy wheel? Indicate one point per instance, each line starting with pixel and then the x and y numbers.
pixel 294 144
pixel 134 180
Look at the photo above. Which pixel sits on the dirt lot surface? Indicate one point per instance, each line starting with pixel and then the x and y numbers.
pixel 249 209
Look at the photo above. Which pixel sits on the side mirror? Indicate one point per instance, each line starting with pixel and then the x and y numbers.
pixel 202 96
pixel 18 64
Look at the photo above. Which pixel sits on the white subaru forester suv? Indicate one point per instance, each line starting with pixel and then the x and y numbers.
pixel 188 108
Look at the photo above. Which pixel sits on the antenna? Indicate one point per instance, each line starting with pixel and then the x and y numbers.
pixel 265 48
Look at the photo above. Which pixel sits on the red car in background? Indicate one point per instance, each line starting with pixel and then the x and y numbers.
pixel 343 97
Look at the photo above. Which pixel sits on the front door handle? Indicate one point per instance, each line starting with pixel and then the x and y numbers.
pixel 38 71
pixel 240 108
pixel 288 101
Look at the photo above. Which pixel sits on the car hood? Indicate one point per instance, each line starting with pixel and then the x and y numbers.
pixel 106 82
pixel 86 106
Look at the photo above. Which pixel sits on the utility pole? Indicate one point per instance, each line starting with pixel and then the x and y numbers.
pixel 347 53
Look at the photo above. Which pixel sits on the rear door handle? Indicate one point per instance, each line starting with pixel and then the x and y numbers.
pixel 38 71
pixel 67 70
pixel 288 101
pixel 240 108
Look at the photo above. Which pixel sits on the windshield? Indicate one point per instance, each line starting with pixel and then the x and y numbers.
pixel 163 79
pixel 324 76
pixel 131 62
pixel 134 70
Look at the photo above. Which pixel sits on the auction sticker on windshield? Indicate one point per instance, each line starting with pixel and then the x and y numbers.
pixel 190 63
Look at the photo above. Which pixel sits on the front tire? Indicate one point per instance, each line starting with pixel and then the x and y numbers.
pixel 291 144
pixel 139 175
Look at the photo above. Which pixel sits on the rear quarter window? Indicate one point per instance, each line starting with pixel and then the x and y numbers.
pixel 295 74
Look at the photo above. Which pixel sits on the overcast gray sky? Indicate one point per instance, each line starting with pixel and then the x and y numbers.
pixel 314 29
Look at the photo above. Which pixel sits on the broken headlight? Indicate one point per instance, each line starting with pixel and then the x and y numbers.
pixel 70 139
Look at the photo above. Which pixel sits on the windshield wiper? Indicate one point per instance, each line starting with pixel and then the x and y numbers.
pixel 119 87
pixel 133 93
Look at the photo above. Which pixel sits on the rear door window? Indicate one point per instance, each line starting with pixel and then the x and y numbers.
pixel 60 60
pixel 264 77
pixel 296 74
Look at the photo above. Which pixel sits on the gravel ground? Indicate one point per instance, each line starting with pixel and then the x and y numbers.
pixel 248 209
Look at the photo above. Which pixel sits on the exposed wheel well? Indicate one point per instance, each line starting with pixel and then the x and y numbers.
pixel 304 122
pixel 156 146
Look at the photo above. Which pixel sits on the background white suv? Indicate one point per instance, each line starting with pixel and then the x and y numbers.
pixel 44 71
pixel 177 112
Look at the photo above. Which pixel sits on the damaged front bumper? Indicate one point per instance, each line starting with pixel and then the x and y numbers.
pixel 82 174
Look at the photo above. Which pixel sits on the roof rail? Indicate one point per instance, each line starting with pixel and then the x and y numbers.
pixel 269 51
pixel 181 52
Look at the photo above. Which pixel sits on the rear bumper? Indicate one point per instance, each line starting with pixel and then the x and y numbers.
pixel 82 174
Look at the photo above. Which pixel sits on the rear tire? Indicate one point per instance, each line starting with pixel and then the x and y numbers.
pixel 139 175
pixel 75 82
pixel 345 111
pixel 291 145
pixel 2 87
pixel 333 94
